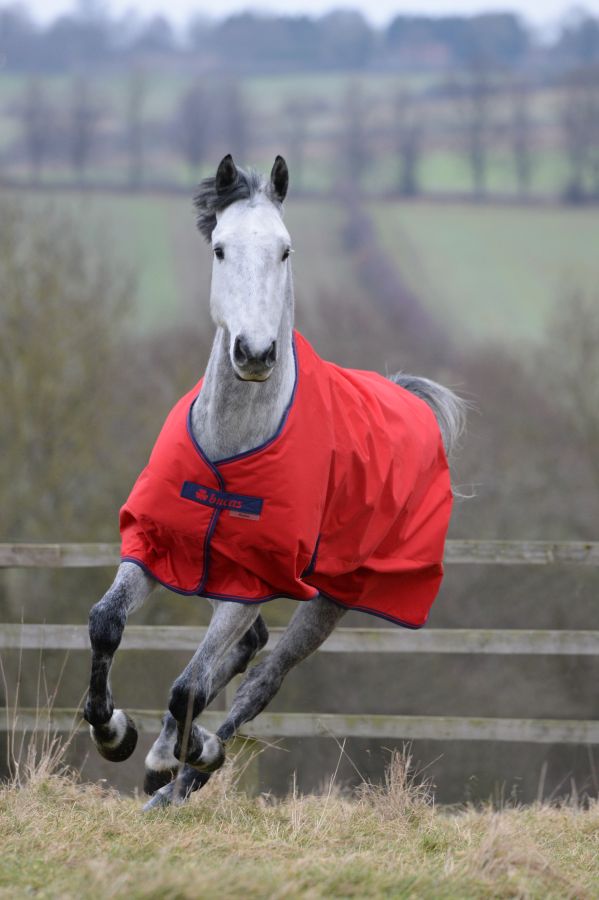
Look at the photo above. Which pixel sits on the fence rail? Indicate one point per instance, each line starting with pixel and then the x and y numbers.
pixel 344 640
pixel 276 725
pixel 508 553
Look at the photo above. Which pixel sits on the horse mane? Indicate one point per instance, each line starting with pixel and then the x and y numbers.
pixel 208 201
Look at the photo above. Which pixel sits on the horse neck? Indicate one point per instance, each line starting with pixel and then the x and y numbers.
pixel 231 416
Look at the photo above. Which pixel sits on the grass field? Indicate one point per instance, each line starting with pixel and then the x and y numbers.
pixel 491 271
pixel 154 236
pixel 60 839
pixel 488 271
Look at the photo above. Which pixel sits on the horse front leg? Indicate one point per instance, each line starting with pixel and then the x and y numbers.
pixel 194 688
pixel 112 730
pixel 161 763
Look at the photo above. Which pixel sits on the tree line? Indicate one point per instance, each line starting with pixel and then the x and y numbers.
pixel 340 40
pixel 471 115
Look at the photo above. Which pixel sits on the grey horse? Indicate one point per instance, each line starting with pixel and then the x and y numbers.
pixel 247 388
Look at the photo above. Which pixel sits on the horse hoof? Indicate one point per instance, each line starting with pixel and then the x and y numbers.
pixel 161 799
pixel 116 740
pixel 212 756
pixel 155 779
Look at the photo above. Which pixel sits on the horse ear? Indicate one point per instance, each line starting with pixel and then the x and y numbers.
pixel 279 179
pixel 226 174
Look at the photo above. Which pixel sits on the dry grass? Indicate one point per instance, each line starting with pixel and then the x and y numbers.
pixel 63 839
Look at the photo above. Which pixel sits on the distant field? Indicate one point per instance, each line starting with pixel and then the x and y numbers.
pixel 155 237
pixel 490 271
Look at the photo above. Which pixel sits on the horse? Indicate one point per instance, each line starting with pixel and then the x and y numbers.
pixel 244 415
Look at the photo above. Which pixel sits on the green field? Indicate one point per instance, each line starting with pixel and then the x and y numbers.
pixel 490 272
pixel 154 236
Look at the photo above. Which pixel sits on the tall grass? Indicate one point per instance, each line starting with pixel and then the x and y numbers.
pixel 61 838
pixel 40 752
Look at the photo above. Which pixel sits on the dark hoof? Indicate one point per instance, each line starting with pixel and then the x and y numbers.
pixel 212 755
pixel 157 801
pixel 179 790
pixel 116 740
pixel 155 780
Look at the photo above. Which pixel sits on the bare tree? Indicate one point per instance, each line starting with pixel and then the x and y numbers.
pixel 59 355
pixel 571 374
pixel 474 96
pixel 193 126
pixel 408 137
pixel 296 114
pixel 579 121
pixel 521 135
pixel 234 119
pixel 82 126
pixel 134 112
pixel 355 149
pixel 37 120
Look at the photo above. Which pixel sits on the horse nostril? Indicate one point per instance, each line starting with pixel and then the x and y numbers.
pixel 245 358
pixel 270 357
pixel 241 353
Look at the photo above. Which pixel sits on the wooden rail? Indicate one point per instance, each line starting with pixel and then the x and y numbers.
pixel 344 640
pixel 269 725
pixel 507 553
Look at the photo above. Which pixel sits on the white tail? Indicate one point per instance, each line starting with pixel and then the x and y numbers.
pixel 449 409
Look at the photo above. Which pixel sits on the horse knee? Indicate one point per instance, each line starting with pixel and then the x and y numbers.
pixel 106 625
pixel 250 644
pixel 185 701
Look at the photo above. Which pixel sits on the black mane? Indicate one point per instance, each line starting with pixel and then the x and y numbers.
pixel 208 201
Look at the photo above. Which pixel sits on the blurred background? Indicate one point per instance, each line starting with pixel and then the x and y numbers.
pixel 444 208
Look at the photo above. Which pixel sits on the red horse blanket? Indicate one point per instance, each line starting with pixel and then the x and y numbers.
pixel 351 498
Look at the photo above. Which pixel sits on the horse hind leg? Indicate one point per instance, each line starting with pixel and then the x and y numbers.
pixel 162 765
pixel 310 626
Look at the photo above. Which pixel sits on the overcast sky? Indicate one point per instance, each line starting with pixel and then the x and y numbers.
pixel 541 12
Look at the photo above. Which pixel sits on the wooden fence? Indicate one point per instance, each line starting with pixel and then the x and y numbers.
pixel 344 640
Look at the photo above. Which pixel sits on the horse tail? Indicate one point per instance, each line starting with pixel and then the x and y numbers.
pixel 449 409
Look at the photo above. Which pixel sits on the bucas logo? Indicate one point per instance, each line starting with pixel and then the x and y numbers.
pixel 218 499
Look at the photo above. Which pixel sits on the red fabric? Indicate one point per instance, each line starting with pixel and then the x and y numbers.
pixel 355 495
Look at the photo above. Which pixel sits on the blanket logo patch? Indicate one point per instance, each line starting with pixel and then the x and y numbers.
pixel 238 505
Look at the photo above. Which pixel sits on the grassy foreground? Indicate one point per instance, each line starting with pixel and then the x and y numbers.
pixel 62 839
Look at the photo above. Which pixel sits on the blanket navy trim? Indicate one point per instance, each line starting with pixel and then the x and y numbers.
pixel 312 564
pixel 229 598
pixel 176 590
pixel 148 571
pixel 221 481
pixel 372 612
pixel 201 453
pixel 282 423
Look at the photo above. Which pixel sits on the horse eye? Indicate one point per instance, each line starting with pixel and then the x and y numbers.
pixel 286 253
pixel 219 252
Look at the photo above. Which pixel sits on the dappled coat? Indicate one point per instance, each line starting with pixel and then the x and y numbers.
pixel 350 498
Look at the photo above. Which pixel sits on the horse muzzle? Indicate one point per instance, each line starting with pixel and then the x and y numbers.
pixel 249 365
